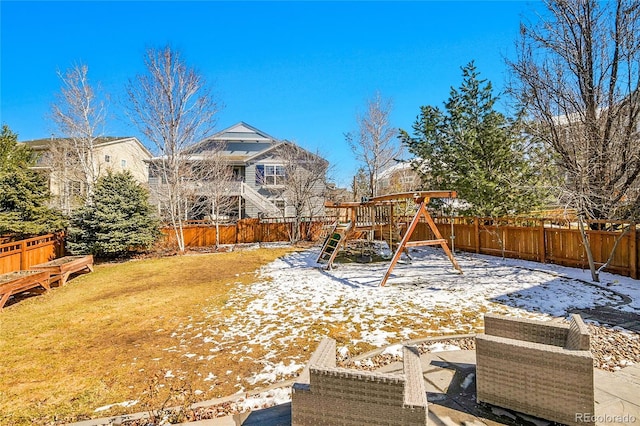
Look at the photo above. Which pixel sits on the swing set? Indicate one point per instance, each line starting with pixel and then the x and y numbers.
pixel 376 214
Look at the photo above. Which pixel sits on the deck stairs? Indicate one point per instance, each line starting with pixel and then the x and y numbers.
pixel 331 244
pixel 260 201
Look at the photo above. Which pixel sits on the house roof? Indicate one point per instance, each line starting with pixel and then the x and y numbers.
pixel 242 132
pixel 239 132
pixel 242 142
pixel 43 144
pixel 400 166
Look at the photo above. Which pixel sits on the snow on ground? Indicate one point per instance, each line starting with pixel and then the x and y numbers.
pixel 118 404
pixel 265 399
pixel 275 323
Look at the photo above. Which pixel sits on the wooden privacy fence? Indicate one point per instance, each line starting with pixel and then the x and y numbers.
pixel 541 241
pixel 20 255
pixel 244 231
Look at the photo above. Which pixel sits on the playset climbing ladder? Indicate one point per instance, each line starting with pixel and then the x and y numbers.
pixel 330 247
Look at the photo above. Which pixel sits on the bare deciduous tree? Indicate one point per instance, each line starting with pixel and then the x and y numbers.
pixel 305 183
pixel 79 114
pixel 375 144
pixel 173 107
pixel 215 183
pixel 577 74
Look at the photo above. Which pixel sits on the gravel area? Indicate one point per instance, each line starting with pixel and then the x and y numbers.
pixel 612 349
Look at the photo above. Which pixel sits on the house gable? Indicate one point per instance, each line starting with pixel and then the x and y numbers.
pixel 239 143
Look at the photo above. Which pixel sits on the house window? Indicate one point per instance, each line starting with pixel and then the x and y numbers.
pixel 107 158
pixel 74 188
pixel 270 175
pixel 123 164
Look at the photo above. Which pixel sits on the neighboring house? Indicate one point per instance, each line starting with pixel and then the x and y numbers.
pixel 260 182
pixel 338 195
pixel 111 153
pixel 400 177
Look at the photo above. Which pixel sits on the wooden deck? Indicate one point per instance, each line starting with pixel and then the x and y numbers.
pixel 60 269
pixel 19 281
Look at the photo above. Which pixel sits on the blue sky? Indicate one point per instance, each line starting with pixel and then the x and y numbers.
pixel 297 70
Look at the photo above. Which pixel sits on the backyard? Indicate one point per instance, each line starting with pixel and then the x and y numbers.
pixel 210 325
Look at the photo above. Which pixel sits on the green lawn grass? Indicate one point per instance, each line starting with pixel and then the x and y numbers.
pixel 105 336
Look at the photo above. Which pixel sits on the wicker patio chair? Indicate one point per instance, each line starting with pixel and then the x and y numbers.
pixel 537 368
pixel 328 395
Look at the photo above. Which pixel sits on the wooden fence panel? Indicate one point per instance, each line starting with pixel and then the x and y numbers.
pixel 602 244
pixel 202 236
pixel 275 232
pixel 564 247
pixel 312 230
pixel 10 257
pixel 249 231
pixel 20 255
pixel 465 236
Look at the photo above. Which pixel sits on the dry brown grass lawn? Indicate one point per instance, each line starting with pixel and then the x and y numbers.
pixel 103 337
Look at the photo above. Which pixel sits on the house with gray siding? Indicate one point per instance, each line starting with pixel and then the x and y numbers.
pixel 260 180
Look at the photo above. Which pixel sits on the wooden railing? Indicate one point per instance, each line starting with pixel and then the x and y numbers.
pixel 20 255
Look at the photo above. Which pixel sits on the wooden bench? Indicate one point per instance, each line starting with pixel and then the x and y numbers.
pixel 60 269
pixel 19 281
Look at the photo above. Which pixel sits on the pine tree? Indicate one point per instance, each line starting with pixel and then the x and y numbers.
pixel 119 219
pixel 23 193
pixel 474 149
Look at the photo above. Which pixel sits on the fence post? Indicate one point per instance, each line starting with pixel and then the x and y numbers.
pixel 23 255
pixel 476 226
pixel 633 252
pixel 541 243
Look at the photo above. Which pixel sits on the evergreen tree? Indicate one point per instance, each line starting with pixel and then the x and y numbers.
pixel 361 186
pixel 118 220
pixel 477 151
pixel 23 192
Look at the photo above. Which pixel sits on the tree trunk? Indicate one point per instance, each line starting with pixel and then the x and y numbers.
pixel 595 276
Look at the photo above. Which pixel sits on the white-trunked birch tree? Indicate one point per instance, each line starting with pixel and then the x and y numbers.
pixel 215 183
pixel 375 144
pixel 577 76
pixel 79 113
pixel 172 105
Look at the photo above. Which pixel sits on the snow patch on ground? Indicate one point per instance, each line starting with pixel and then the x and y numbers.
pixel 440 347
pixel 265 399
pixel 274 324
pixel 393 350
pixel 117 404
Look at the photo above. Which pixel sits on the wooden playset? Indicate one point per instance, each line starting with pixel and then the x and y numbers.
pixel 378 217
